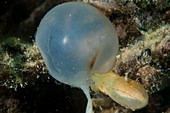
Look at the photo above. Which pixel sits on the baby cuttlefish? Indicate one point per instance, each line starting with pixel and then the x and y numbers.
pixel 127 93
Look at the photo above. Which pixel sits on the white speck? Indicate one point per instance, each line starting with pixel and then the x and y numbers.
pixel 65 40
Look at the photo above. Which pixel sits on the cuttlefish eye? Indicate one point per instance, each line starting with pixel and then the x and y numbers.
pixel 75 39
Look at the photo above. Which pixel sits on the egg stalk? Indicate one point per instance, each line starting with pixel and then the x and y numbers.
pixel 89 107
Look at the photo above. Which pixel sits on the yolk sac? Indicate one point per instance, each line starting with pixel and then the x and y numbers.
pixel 75 39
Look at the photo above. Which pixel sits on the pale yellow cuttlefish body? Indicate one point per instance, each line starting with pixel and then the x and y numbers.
pixel 127 93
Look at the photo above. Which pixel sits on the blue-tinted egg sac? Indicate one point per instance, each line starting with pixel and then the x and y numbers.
pixel 75 39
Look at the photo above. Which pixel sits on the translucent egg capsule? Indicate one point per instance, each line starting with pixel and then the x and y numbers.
pixel 75 39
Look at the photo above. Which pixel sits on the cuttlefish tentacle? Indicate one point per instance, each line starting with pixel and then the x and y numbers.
pixel 127 93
